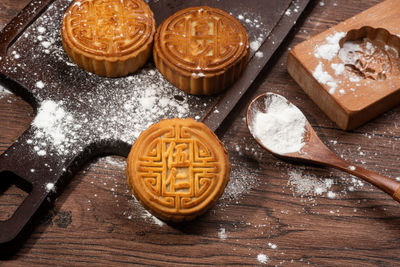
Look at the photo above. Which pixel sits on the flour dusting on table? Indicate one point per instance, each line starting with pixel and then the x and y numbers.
pixel 262 258
pixel 306 185
pixel 4 92
pixel 241 182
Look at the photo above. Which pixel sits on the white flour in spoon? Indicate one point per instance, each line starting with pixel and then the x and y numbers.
pixel 281 127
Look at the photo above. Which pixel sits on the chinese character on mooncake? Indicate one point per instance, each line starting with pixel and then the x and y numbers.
pixel 178 169
pixel 201 50
pixel 108 37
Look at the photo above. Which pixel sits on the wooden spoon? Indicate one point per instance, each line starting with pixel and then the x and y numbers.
pixel 314 151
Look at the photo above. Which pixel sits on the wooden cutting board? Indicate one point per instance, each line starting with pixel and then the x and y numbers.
pixel 92 115
pixel 350 78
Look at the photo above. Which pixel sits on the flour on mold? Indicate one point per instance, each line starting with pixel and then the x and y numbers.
pixel 324 77
pixel 329 49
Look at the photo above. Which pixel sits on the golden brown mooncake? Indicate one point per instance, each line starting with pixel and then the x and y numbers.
pixel 177 169
pixel 111 38
pixel 201 50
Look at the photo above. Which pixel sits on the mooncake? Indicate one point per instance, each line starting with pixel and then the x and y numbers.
pixel 177 169
pixel 201 50
pixel 110 38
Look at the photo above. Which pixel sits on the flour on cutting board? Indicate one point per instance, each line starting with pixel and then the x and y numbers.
pixel 254 23
pixel 54 127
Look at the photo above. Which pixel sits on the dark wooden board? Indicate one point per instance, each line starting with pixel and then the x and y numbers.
pixel 102 115
pixel 88 225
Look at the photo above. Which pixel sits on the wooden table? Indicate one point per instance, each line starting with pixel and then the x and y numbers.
pixel 263 218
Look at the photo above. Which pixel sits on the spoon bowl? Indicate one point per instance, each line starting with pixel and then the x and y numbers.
pixel 313 150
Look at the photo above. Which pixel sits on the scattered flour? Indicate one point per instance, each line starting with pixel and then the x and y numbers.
pixel 324 77
pixel 40 84
pixel 262 258
pixel 199 74
pixel 259 54
pixel 281 128
pixel 398 179
pixel 148 215
pixel 331 194
pixel 222 233
pixel 41 29
pixel 15 54
pixel 354 79
pixel 116 162
pixel 54 127
pixel 256 28
pixel 254 45
pixel 271 245
pixel 330 49
pixel 4 92
pixel 41 152
pixel 46 44
pixel 308 185
pixel 50 187
pixel 241 182
pixel 349 52
pixel 338 68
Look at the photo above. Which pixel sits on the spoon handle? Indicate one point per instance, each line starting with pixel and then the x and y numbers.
pixel 384 183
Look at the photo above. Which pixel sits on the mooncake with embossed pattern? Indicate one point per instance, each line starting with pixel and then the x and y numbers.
pixel 111 38
pixel 201 50
pixel 178 168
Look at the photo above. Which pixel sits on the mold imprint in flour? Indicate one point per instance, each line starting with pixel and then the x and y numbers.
pixel 370 53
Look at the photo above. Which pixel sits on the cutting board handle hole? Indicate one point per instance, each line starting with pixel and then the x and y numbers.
pixel 13 191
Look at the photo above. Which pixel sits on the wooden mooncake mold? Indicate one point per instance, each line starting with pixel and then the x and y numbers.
pixel 177 169
pixel 110 38
pixel 201 50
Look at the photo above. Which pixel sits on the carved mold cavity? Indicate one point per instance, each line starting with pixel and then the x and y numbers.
pixel 371 53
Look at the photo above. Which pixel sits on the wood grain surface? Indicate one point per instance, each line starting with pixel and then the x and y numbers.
pixel 263 219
